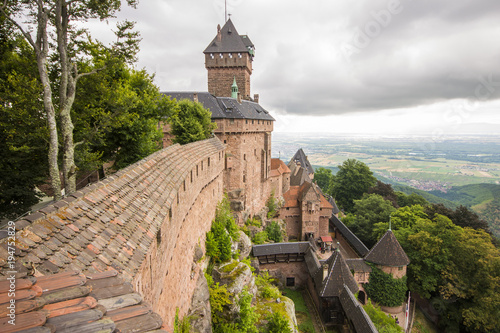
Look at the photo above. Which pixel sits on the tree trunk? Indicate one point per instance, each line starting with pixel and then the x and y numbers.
pixel 67 91
pixel 41 49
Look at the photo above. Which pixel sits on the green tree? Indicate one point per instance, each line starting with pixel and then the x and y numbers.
pixel 386 191
pixel 353 179
pixel 116 114
pixel 458 269
pixel 248 316
pixel 368 211
pixel 23 131
pixel 322 177
pixel 191 122
pixel 278 324
pixel 273 231
pixel 51 28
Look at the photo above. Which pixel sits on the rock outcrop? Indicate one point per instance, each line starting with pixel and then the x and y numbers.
pixel 200 313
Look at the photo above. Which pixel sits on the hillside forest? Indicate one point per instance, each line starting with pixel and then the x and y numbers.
pixel 455 260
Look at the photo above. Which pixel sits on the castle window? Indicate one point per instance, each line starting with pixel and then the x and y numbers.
pixel 400 268
pixel 255 152
pixel 244 157
pixel 258 122
pixel 225 141
pixel 211 55
pixel 230 55
pixel 290 282
pixel 184 185
pixel 246 121
pixel 252 121
pixel 221 56
pixel 244 179
pixel 209 161
pixel 239 55
pixel 191 176
pixel 201 165
pixel 196 170
pixel 231 121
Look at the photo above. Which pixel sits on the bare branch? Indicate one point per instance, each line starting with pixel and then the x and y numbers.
pixel 78 76
pixel 26 34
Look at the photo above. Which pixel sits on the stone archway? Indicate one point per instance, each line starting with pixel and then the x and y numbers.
pixel 362 297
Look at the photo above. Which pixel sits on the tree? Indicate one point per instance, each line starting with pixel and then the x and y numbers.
pixel 116 114
pixel 191 122
pixel 458 269
pixel 60 16
pixel 273 231
pixel 353 179
pixel 23 132
pixel 368 211
pixel 462 216
pixel 386 191
pixel 248 316
pixel 322 177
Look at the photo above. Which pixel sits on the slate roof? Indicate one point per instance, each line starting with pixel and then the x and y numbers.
pixel 280 248
pixel 225 107
pixel 299 175
pixel 109 224
pixel 358 265
pixel 388 252
pixel 355 312
pixel 332 202
pixel 339 275
pixel 74 302
pixel 354 241
pixel 301 157
pixel 230 41
pixel 312 262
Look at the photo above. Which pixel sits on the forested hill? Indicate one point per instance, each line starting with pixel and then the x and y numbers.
pixel 484 199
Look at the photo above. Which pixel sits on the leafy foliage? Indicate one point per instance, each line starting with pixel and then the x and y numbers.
pixel 260 238
pixel 23 131
pixel 323 177
pixel 278 324
pixel 273 231
pixel 367 212
pixel 272 205
pixel 353 179
pixel 116 115
pixel 384 289
pixel 382 322
pixel 220 299
pixel 222 233
pixel 248 317
pixel 181 326
pixel 191 122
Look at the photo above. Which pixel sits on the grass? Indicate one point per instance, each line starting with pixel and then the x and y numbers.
pixel 304 321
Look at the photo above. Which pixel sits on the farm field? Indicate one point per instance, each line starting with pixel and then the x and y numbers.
pixel 417 162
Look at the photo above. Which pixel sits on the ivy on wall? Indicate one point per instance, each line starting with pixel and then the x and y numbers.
pixel 384 289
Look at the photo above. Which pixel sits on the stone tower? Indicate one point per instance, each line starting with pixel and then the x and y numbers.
pixel 227 58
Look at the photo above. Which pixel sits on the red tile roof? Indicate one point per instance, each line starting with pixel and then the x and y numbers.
pixel 278 167
pixel 72 301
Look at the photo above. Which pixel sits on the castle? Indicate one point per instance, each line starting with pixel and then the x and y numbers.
pixel 125 253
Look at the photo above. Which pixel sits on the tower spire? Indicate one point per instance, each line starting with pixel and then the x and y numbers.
pixel 234 88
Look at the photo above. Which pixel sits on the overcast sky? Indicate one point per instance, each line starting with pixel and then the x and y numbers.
pixel 387 67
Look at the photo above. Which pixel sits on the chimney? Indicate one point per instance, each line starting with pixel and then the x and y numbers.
pixel 325 271
pixel 219 34
pixel 239 97
pixel 195 97
pixel 256 98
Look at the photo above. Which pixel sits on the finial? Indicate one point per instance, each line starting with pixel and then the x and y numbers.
pixel 338 247
pixel 390 229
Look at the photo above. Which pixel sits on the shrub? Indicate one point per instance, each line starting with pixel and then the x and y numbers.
pixel 248 317
pixel 278 324
pixel 260 238
pixel 274 232
pixel 272 205
pixel 383 322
